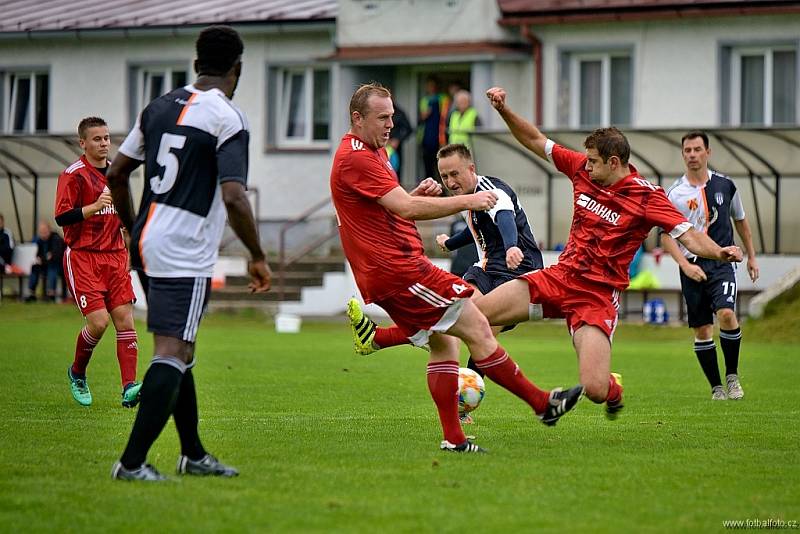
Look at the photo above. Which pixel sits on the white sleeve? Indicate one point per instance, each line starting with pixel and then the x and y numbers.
pixel 503 203
pixel 737 209
pixel 680 229
pixel 133 146
pixel 548 150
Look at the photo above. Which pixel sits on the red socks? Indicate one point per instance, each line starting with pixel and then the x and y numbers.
pixel 127 353
pixel 389 337
pixel 443 385
pixel 614 390
pixel 83 352
pixel 501 369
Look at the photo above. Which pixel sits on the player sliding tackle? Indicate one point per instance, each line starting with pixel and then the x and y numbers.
pixel 386 254
pixel 614 210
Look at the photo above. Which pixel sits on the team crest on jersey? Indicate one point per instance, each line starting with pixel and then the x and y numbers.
pixel 604 212
pixel 719 198
pixel 356 144
pixel 693 204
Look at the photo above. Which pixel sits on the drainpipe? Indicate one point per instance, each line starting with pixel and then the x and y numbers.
pixel 536 51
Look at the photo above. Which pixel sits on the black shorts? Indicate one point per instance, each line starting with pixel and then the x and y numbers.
pixel 484 281
pixel 703 299
pixel 175 306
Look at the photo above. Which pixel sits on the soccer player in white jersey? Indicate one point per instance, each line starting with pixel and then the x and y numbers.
pixel 193 142
pixel 710 200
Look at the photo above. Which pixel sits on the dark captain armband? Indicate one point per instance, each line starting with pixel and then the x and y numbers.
pixel 75 215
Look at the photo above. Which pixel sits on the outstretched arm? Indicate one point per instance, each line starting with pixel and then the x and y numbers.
pixel 695 272
pixel 526 133
pixel 702 245
pixel 418 208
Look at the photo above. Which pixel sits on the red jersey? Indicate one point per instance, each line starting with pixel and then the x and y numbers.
pixel 609 223
pixel 79 185
pixel 384 249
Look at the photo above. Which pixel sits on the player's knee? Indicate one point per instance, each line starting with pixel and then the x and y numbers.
pixel 97 325
pixel 727 318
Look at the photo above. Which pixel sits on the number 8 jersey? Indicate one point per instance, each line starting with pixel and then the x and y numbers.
pixel 191 142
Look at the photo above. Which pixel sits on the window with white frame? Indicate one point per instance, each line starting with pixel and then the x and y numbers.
pixel 596 89
pixel 301 116
pixel 760 85
pixel 152 81
pixel 26 101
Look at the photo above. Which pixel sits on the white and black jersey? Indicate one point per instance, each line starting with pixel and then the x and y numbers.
pixel 489 241
pixel 708 207
pixel 191 141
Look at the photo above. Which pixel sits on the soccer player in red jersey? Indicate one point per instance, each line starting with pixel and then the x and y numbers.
pixel 615 208
pixel 385 251
pixel 96 262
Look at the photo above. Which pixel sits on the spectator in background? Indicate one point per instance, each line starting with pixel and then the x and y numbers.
pixel 433 108
pixel 47 265
pixel 463 120
pixel 6 245
pixel 394 148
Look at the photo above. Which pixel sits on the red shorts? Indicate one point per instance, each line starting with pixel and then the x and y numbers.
pixel 579 301
pixel 431 304
pixel 98 280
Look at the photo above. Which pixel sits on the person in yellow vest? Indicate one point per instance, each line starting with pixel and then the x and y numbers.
pixel 463 120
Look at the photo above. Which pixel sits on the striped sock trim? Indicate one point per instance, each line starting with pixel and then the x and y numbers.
pixel 704 344
pixel 126 335
pixel 89 338
pixel 172 362
pixel 492 361
pixel 733 335
pixel 450 368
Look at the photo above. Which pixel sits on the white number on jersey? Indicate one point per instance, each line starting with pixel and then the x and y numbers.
pixel 162 184
pixel 459 288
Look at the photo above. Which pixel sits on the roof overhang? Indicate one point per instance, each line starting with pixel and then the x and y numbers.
pixel 431 53
pixel 543 12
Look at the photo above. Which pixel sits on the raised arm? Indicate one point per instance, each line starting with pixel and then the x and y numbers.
pixel 526 133
pixel 417 208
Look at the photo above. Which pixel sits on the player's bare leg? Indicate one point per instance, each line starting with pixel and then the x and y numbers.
pixel 507 304
pixel 473 328
pixel 127 353
pixel 594 361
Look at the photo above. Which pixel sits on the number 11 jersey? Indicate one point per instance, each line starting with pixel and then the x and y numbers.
pixel 191 141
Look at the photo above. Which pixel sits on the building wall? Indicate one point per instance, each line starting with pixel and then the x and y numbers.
pixel 676 66
pixel 374 22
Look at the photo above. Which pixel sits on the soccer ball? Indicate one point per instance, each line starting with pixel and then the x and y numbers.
pixel 470 390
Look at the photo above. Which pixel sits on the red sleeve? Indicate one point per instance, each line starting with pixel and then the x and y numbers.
pixel 68 193
pixel 368 177
pixel 661 212
pixel 568 161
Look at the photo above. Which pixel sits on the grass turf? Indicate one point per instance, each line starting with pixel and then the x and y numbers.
pixel 327 441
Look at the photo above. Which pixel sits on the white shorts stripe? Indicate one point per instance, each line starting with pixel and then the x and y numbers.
pixel 190 331
pixel 71 276
pixel 198 311
pixel 429 296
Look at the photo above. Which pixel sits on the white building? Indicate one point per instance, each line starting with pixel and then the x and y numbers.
pixel 570 66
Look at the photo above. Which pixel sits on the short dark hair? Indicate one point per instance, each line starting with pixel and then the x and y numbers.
pixel 358 102
pixel 218 50
pixel 609 142
pixel 454 148
pixel 89 122
pixel 694 134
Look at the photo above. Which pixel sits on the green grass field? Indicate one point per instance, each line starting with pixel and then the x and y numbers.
pixel 327 441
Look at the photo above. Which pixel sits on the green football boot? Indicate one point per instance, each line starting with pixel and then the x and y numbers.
pixel 130 395
pixel 363 328
pixel 80 389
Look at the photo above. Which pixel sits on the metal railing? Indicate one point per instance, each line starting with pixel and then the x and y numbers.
pixel 284 261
